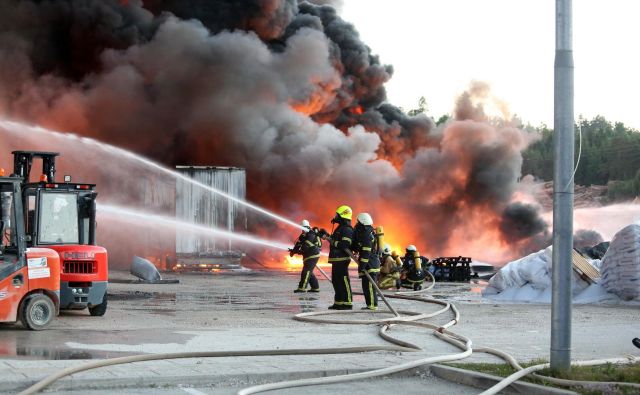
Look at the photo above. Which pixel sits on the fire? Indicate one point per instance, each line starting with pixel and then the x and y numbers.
pixel 293 261
pixel 309 107
pixel 276 110
pixel 323 94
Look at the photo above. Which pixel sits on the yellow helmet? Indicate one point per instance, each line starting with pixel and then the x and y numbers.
pixel 344 212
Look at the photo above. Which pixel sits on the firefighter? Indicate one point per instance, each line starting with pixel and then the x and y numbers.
pixel 339 257
pixel 308 245
pixel 389 270
pixel 365 244
pixel 398 260
pixel 412 273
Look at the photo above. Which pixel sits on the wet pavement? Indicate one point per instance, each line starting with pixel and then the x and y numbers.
pixel 174 302
pixel 69 344
pixel 251 312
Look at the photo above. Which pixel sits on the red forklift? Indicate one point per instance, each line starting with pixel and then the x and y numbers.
pixel 62 216
pixel 29 277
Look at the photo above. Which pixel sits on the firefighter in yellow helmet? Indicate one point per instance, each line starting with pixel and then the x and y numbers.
pixel 339 258
pixel 308 245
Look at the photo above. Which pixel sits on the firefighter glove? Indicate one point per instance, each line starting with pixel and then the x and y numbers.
pixel 323 233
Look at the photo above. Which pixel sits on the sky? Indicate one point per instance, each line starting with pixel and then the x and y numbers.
pixel 438 47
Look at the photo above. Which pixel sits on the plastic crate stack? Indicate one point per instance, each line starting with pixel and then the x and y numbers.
pixel 451 269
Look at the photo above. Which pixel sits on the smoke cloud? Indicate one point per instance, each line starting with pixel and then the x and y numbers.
pixel 286 89
pixel 584 238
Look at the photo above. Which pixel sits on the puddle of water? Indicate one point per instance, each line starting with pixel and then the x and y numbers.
pixel 165 312
pixel 16 342
pixel 140 295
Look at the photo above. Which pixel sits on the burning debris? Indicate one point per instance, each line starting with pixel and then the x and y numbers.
pixel 285 89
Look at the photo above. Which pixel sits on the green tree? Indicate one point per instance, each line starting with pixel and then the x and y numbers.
pixel 610 152
pixel 443 119
pixel 422 107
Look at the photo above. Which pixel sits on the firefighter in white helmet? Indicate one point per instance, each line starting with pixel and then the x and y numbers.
pixel 413 273
pixel 308 245
pixel 389 269
pixel 365 244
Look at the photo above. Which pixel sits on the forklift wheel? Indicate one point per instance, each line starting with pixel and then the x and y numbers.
pixel 99 310
pixel 38 312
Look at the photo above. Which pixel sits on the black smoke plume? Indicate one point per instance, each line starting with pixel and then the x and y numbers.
pixel 286 89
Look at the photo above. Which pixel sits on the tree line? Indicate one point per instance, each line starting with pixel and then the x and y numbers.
pixel 609 155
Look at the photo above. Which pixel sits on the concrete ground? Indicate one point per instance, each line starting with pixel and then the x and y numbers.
pixel 410 385
pixel 253 311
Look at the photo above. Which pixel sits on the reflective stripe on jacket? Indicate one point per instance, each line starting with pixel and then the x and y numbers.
pixel 341 239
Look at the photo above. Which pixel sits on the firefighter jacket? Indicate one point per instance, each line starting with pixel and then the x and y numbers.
pixel 388 265
pixel 308 245
pixel 341 239
pixel 365 244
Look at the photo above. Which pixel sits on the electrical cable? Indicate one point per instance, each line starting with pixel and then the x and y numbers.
pixel 578 161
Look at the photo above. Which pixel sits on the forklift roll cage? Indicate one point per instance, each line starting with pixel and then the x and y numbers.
pixel 32 196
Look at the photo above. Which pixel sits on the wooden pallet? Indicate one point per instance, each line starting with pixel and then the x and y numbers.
pixel 587 272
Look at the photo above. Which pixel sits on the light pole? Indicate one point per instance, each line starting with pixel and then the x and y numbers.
pixel 563 141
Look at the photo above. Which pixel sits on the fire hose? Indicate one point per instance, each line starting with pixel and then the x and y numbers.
pixel 407 318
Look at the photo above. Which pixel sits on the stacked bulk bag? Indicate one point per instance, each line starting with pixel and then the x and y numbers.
pixel 533 269
pixel 620 268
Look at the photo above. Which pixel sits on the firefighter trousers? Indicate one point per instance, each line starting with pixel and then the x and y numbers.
pixel 388 280
pixel 415 285
pixel 370 294
pixel 341 283
pixel 307 276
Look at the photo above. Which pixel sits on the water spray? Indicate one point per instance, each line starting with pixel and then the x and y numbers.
pixel 13 126
pixel 126 213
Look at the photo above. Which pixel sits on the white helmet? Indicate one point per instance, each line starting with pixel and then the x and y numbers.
pixel 386 249
pixel 365 219
pixel 411 247
pixel 305 225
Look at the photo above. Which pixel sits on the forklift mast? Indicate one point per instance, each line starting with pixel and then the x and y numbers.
pixel 22 161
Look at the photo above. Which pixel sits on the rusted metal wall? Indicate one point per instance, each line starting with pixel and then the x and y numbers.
pixel 198 206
